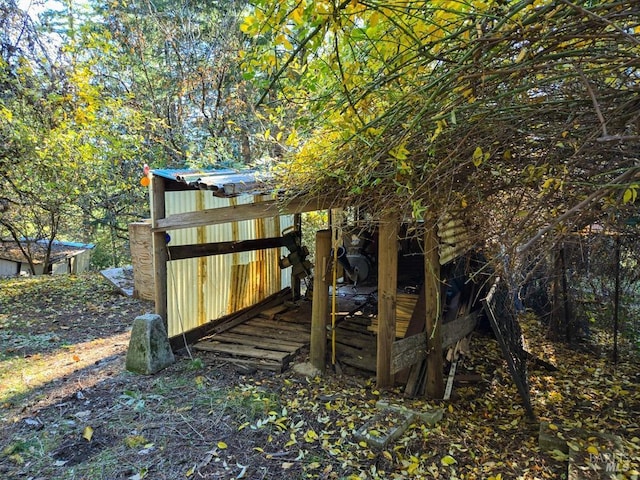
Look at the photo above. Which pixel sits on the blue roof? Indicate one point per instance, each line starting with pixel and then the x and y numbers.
pixel 63 243
pixel 88 246
pixel 223 183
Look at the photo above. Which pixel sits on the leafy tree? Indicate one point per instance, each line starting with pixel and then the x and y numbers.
pixel 68 150
pixel 178 61
pixel 521 116
pixel 33 132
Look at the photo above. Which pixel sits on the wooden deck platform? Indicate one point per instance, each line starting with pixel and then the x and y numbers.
pixel 271 337
pixel 268 341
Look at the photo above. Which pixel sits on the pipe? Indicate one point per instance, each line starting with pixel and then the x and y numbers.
pixel 344 261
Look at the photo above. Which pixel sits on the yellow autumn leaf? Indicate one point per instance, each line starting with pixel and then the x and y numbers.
pixel 399 152
pixel 248 22
pixel 310 436
pixel 135 441
pixel 87 434
pixel 477 157
pixel 6 113
pixel 593 450
pixel 292 440
pixel 630 195
pixel 296 14
pixel 190 472
pixel 412 468
pixel 222 445
pixel 448 460
pixel 548 183
pixel 521 55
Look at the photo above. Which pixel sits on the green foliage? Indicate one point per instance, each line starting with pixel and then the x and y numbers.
pixel 451 105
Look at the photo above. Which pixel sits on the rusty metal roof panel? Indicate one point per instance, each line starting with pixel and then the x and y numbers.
pixel 223 183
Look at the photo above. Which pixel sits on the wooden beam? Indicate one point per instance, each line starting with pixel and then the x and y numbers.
pixel 320 305
pixel 180 252
pixel 408 351
pixel 295 279
pixel 160 254
pixel 235 213
pixel 458 329
pixel 411 350
pixel 387 286
pixel 435 379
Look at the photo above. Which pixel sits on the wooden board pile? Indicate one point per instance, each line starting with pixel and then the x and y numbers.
pixel 405 304
pixel 266 336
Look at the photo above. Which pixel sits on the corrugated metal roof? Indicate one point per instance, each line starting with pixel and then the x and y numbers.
pixel 455 238
pixel 223 183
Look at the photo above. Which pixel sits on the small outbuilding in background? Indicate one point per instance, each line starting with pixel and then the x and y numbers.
pixel 64 257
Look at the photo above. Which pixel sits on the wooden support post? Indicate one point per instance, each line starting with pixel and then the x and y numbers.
pixel 387 286
pixel 159 249
pixel 435 380
pixel 320 306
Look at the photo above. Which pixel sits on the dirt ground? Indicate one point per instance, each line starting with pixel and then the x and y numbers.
pixel 69 409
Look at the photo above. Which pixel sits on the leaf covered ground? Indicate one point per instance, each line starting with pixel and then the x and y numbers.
pixel 69 410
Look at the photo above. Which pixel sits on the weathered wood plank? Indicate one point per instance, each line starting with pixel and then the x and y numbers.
pixel 356 327
pixel 355 340
pixel 282 326
pixel 241 350
pixel 408 351
pixel 251 312
pixel 235 213
pixel 260 364
pixel 415 380
pixel 458 328
pixel 416 325
pixel 320 306
pixel 270 313
pixel 160 254
pixel 179 252
pixel 229 321
pixel 261 342
pixel 299 315
pixel 272 333
pixel 356 358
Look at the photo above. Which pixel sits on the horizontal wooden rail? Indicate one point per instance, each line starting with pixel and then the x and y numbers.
pixel 180 252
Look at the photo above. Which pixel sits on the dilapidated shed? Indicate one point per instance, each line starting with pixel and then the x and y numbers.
pixel 218 243
pixel 65 257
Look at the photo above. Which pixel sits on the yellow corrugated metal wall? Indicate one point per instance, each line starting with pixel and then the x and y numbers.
pixel 206 288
